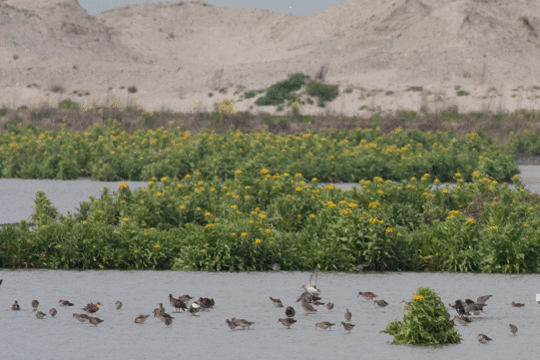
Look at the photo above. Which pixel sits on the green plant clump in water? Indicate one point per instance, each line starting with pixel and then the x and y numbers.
pixel 425 322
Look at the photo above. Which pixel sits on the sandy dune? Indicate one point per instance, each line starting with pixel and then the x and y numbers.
pixel 176 53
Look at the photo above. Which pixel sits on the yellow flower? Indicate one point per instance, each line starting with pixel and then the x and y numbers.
pixel 262 216
pixel 182 207
pixel 494 227
pixel 158 193
pixel 470 220
pixel 126 219
pixel 234 207
pixel 418 297
pixel 156 246
pixel 84 222
pixel 279 254
pixel 206 214
pixel 257 241
pixel 243 234
pixel 238 172
pixel 264 171
pixel 389 230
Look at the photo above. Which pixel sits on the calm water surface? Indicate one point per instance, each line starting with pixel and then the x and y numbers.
pixel 241 295
pixel 245 295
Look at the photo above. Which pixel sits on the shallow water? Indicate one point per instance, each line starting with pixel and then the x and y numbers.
pixel 241 295
pixel 246 295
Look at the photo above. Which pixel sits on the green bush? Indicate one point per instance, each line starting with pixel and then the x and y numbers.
pixel 425 322
pixel 281 91
pixel 324 92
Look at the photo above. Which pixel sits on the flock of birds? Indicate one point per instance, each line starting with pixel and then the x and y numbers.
pixel 309 300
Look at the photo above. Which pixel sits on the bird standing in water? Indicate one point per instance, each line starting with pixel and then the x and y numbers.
pixel 483 338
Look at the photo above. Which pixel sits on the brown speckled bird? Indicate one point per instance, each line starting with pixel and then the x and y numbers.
pixel 141 319
pixel 347 326
pixel 287 322
pixel 324 325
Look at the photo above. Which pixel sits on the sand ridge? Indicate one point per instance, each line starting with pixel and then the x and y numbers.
pixel 176 53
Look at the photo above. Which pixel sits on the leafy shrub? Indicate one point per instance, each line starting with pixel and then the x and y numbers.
pixel 324 92
pixel 132 89
pixel 425 322
pixel 281 91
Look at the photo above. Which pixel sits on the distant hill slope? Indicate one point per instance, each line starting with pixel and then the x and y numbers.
pixel 172 50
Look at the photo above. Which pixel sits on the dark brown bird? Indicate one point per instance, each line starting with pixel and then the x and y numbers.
pixel 276 302
pixel 141 319
pixel 329 306
pixel 287 322
pixel 515 304
pixel 308 307
pixel 348 315
pixel 118 305
pixel 243 323
pixel 206 303
pixel 94 320
pixel 185 298
pixel 347 326
pixel 35 304
pixel 92 308
pixel 53 312
pixel 290 312
pixel 167 321
pixel 513 329
pixel 177 303
pixel 382 303
pixel 159 310
pixel 368 295
pixel 15 306
pixel 64 303
pixel 324 325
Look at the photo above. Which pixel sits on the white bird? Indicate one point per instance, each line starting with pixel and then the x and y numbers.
pixel 311 288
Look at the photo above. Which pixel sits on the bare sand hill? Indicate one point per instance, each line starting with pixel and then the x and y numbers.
pixel 177 53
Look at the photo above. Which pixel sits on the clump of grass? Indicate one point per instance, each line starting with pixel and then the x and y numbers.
pixel 462 93
pixel 281 91
pixel 415 88
pixel 348 91
pixel 324 92
pixel 424 323
pixel 132 89
pixel 526 22
pixel 22 108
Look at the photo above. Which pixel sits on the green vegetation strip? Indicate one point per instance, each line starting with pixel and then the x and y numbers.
pixel 106 153
pixel 251 222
